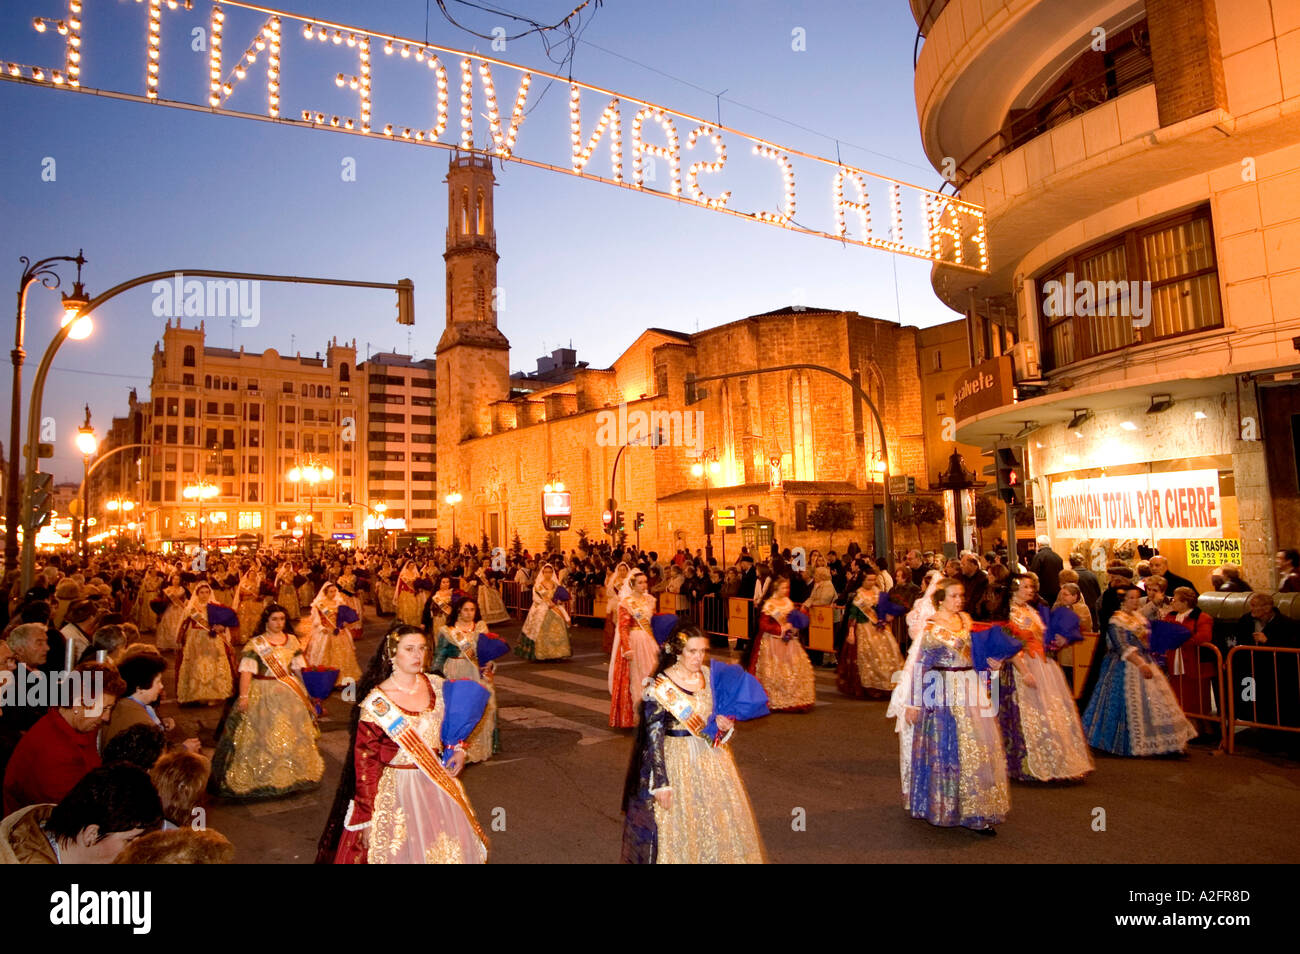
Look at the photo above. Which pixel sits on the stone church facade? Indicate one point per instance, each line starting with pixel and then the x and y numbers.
pixel 783 440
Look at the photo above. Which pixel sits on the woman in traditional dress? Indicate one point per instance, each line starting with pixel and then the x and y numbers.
pixel 437 611
pixel 958 770
pixel 406 601
pixel 249 601
pixel 684 800
pixel 1037 716
pixel 909 686
pixel 635 653
pixel 612 589
pixel 545 633
pixel 456 657
pixel 399 801
pixel 286 592
pixel 150 585
pixel 351 594
pixel 169 623
pixel 203 658
pixel 303 580
pixel 1133 710
pixel 780 662
pixel 490 601
pixel 268 746
pixel 331 642
pixel 869 645
pixel 385 590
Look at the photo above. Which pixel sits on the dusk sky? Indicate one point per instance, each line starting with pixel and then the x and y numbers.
pixel 144 188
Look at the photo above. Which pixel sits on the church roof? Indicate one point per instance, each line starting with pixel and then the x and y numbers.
pixel 799 310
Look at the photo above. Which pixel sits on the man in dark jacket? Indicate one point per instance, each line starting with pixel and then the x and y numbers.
pixel 1160 567
pixel 1088 586
pixel 1047 564
pixel 1275 696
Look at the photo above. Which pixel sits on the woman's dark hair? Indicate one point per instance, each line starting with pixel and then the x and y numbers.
pixel 271 608
pixel 675 644
pixel 941 590
pixel 115 798
pixel 379 668
pixel 139 672
pixel 458 603
pixel 141 745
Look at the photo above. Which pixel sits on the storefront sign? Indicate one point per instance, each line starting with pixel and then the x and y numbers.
pixel 1214 552
pixel 983 387
pixel 1179 504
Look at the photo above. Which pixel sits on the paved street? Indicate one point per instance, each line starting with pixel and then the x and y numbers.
pixel 824 787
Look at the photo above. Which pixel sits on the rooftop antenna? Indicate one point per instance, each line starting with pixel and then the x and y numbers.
pixel 292 340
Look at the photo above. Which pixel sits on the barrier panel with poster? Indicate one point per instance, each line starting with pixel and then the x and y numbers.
pixel 821 628
pixel 738 618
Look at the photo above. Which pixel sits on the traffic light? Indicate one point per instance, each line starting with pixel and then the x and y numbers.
pixel 406 302
pixel 618 521
pixel 1011 487
pixel 640 520
pixel 40 500
pixel 607 518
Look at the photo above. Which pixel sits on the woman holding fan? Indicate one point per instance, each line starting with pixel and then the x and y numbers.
pixel 203 658
pixel 683 798
pixel 399 800
pixel 635 652
pixel 268 747
pixel 331 642
pixel 466 650
pixel 780 662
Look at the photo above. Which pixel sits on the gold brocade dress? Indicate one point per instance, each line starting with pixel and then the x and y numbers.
pixel 204 674
pixel 270 750
pixel 709 819
pixel 456 655
pixel 781 665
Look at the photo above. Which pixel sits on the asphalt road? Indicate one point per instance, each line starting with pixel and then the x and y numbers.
pixel 824 787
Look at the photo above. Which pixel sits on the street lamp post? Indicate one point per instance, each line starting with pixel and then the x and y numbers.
pixel 87 444
pixel 452 499
pixel 200 491
pixel 310 474
pixel 44 272
pixel 381 508
pixel 705 467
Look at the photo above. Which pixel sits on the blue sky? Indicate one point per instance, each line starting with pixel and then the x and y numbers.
pixel 144 188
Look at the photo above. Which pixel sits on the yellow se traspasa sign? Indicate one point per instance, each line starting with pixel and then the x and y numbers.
pixel 1213 552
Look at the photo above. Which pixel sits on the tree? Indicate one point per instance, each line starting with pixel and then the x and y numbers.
pixel 830 516
pixel 484 546
pixel 516 546
pixel 916 512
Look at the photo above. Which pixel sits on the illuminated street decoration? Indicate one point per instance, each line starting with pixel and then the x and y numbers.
pixel 922 223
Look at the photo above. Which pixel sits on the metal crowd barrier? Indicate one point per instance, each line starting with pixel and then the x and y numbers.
pixel 1199 687
pixel 1283 691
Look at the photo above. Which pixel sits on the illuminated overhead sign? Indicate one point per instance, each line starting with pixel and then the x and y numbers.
pixel 672 154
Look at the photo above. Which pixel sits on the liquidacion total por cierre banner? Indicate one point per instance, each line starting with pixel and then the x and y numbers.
pixel 921 223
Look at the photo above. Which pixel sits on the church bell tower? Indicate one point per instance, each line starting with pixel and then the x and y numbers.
pixel 473 364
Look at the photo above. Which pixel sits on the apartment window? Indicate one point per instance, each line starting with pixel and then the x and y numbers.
pixel 251 493
pixel 417 401
pixel 171 433
pixel 155 490
pixel 188 359
pixel 253 438
pixel 422 514
pixel 169 490
pixel 376 398
pixel 288 442
pixel 207 380
pixel 387 455
pixel 287 387
pixel 309 414
pixel 190 407
pixel 252 384
pixel 210 437
pixel 158 407
pixel 386 475
pixel 187 379
pixel 420 457
pixel 386 437
pixel 379 417
pixel 189 435
pixel 252 464
pixel 422 475
pixel 422 439
pixel 1175 255
pixel 228 439
pixel 228 410
pixel 422 419
pixel 157 433
pixel 290 415
pixel 254 412
pixel 173 407
pixel 308 444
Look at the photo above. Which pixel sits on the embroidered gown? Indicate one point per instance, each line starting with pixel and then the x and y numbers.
pixel 286 594
pixel 405 601
pixel 146 620
pixel 331 645
pixel 1040 727
pixel 456 656
pixel 412 819
pixel 203 667
pixel 959 771
pixel 545 633
pixel 874 650
pixel 709 819
pixel 491 603
pixel 169 624
pixel 1127 714
pixel 385 591
pixel 632 660
pixel 270 750
pixel 251 603
pixel 781 665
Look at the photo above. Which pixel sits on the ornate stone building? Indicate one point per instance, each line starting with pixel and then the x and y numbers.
pixel 783 440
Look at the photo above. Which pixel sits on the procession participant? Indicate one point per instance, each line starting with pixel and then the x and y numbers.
pixel 493 606
pixel 406 601
pixel 869 644
pixel 350 589
pixel 684 801
pixel 780 663
pixel 633 658
pixel 303 581
pixel 907 692
pixel 958 771
pixel 399 800
pixel 1037 716
pixel 545 633
pixel 437 610
pixel 203 656
pixel 149 593
pixel 1133 710
pixel 331 644
pixel 612 589
pixel 460 654
pixel 286 591
pixel 249 601
pixel 268 746
pixel 385 590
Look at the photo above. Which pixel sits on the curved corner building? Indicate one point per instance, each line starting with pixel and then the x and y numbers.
pixel 1139 164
